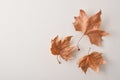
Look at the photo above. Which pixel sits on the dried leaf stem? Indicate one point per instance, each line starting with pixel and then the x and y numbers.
pixel 58 60
pixel 89 50
pixel 79 42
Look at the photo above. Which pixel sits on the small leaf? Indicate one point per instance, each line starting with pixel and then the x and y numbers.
pixel 93 61
pixel 62 47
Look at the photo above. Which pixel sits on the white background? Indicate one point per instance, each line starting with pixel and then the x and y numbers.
pixel 26 30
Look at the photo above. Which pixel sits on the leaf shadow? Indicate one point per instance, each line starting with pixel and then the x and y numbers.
pixel 105 22
pixel 103 68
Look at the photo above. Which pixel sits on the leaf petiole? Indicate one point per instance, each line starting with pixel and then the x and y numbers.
pixel 79 42
pixel 58 60
pixel 89 50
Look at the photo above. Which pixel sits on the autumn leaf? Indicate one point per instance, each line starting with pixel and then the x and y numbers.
pixel 93 61
pixel 62 47
pixel 90 26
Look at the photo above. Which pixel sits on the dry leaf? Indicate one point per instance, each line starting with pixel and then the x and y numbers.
pixel 93 61
pixel 90 26
pixel 62 47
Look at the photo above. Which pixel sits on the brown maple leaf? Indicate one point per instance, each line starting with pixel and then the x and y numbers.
pixel 93 61
pixel 90 26
pixel 62 47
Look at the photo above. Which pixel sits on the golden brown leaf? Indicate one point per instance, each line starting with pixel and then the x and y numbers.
pixel 93 61
pixel 90 26
pixel 62 47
